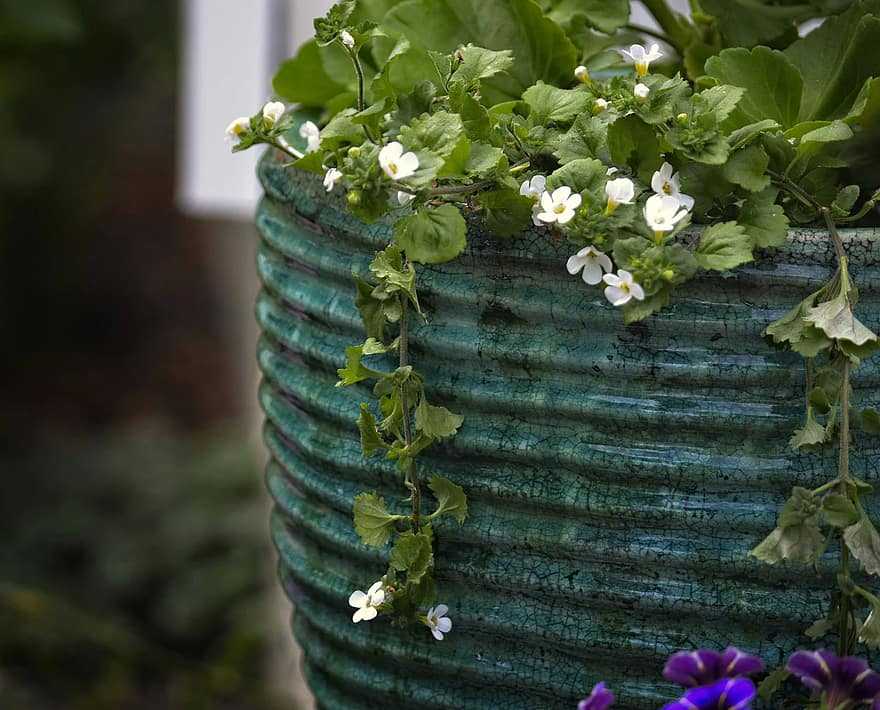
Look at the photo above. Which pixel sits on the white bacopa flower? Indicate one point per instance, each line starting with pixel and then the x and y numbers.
pixel 663 212
pixel 397 164
pixel 642 57
pixel 367 604
pixel 272 112
pixel 310 132
pixel 665 182
pixel 582 74
pixel 620 191
pixel 404 198
pixel 331 177
pixel 346 39
pixel 236 129
pixel 641 91
pixel 599 105
pixel 558 207
pixel 437 621
pixel 621 288
pixel 593 262
pixel 533 188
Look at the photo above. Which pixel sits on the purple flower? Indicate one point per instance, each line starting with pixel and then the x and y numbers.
pixel 725 694
pixel 844 682
pixel 695 668
pixel 600 699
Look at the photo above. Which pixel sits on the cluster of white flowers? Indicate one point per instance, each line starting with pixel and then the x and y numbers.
pixel 662 212
pixel 367 606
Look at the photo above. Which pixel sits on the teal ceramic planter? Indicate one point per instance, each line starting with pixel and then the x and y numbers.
pixel 617 475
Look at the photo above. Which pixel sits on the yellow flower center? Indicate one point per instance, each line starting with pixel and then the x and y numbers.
pixel 560 208
pixel 667 188
pixel 392 168
pixel 641 68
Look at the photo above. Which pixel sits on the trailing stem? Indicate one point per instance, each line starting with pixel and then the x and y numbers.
pixel 412 476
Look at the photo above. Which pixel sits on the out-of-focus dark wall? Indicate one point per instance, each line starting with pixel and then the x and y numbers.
pixel 132 570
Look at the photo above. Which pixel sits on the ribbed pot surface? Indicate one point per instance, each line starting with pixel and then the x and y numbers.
pixel 617 475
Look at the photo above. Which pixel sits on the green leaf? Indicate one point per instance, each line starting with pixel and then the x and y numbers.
pixel 772 683
pixel 819 628
pixel 773 84
pixel 387 266
pixel 506 211
pixel 864 543
pixel 745 135
pixel 724 246
pixel 584 175
pixel 371 439
pixel 633 143
pixel 549 104
pixel 484 160
pixel 436 422
pixel 541 49
pixel 836 59
pixel 839 511
pixel 836 319
pixel 604 15
pixel 341 130
pixel 797 537
pixel 869 420
pixel 587 138
pixel 720 100
pixel 809 435
pixel 765 222
pixel 635 311
pixel 370 309
pixel 478 63
pixel 438 133
pixel 372 521
pixel 866 109
pixel 745 23
pixel 304 80
pixel 748 168
pixel 355 371
pixel 432 235
pixel 845 200
pixel 412 553
pixel 338 17
pixel 451 499
pixel 802 337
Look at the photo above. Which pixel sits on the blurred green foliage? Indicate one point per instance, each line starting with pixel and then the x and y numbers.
pixel 135 574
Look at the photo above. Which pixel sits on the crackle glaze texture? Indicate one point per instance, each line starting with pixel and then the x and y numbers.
pixel 617 475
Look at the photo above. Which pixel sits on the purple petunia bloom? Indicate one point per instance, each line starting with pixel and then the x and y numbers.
pixel 600 699
pixel 845 682
pixel 695 668
pixel 725 694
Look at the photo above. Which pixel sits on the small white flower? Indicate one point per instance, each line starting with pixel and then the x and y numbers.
pixel 621 288
pixel 582 74
pixel 611 171
pixel 367 604
pixel 641 91
pixel 331 177
pixel 310 132
pixel 620 191
pixel 593 262
pixel 560 206
pixel 642 57
pixel 437 621
pixel 663 212
pixel 272 112
pixel 665 182
pixel 599 105
pixel 533 188
pixel 346 39
pixel 236 129
pixel 397 164
pixel 404 198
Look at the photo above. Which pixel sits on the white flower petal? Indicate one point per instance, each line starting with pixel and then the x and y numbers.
pixel 637 291
pixel 538 183
pixel 441 610
pixel 368 613
pixel 574 201
pixel 617 296
pixel 376 586
pixel 547 217
pixel 357 599
pixel 611 279
pixel 378 597
pixel 437 634
pixel 565 216
pixel 561 194
pixel 535 212
pixel 575 263
pixel 604 261
pixel 592 273
pixel 686 201
pixel 444 625
pixel 547 202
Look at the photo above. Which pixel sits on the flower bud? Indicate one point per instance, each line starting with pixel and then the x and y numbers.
pixel 346 39
pixel 354 198
pixel 581 74
pixel 682 118
pixel 354 151
pixel 668 274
